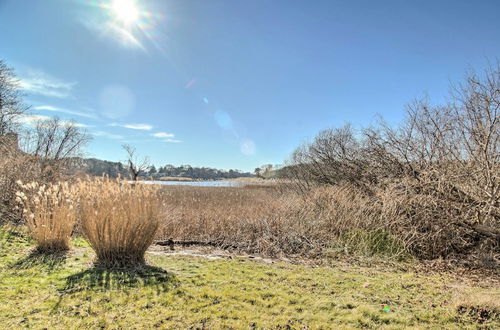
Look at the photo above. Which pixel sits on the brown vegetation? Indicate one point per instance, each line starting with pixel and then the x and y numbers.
pixel 119 219
pixel 265 220
pixel 49 212
pixel 435 178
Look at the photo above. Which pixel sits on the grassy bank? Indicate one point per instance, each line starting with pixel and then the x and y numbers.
pixel 65 291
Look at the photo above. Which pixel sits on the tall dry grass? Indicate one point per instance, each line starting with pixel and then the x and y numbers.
pixel 119 219
pixel 270 222
pixel 49 212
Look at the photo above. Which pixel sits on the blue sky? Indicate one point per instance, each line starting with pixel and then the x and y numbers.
pixel 233 83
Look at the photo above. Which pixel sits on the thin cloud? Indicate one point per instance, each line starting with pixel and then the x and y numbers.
pixel 67 111
pixel 40 83
pixel 32 120
pixel 163 135
pixel 140 127
pixel 171 141
pixel 76 124
pixel 107 135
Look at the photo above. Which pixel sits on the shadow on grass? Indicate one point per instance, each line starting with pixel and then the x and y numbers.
pixel 45 260
pixel 103 279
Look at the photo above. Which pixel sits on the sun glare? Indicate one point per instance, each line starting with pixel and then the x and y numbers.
pixel 125 11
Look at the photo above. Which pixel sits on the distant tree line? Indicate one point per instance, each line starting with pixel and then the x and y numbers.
pixel 188 171
pixel 97 167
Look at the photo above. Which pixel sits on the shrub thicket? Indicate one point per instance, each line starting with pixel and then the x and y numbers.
pixel 435 178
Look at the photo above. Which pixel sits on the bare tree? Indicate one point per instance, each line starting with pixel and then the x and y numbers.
pixel 54 143
pixel 11 104
pixel 135 165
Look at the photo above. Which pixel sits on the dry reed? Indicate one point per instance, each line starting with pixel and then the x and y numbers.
pixel 273 223
pixel 49 212
pixel 119 219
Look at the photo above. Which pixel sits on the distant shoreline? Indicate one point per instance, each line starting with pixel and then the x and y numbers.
pixel 187 179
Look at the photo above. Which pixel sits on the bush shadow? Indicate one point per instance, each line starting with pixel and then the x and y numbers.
pixel 104 279
pixel 45 260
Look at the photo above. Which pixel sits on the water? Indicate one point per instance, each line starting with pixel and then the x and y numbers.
pixel 220 183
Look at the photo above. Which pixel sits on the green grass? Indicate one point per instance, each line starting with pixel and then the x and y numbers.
pixel 66 292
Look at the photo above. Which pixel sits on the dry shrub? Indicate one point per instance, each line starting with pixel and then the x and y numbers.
pixel 433 225
pixel 435 176
pixel 119 219
pixel 49 212
pixel 15 166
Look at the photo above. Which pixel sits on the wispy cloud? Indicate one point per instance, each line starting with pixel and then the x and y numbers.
pixel 166 137
pixel 163 135
pixel 76 124
pixel 87 114
pixel 140 127
pixel 40 83
pixel 32 120
pixel 107 135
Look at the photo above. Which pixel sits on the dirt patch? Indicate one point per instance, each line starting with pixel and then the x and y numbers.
pixel 208 252
pixel 479 314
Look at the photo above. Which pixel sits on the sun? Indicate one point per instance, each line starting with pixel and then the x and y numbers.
pixel 125 11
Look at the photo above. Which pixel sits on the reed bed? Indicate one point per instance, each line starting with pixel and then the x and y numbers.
pixel 274 223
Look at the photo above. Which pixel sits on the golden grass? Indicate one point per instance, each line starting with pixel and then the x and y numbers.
pixel 49 212
pixel 119 219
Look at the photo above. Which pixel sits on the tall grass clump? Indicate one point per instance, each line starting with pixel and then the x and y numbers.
pixel 49 212
pixel 119 219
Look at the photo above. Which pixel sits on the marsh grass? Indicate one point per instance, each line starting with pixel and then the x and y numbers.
pixel 119 219
pixel 272 222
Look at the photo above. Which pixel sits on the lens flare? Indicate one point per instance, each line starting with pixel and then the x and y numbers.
pixel 126 21
pixel 125 11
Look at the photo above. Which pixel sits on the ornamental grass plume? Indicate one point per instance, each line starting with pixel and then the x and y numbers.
pixel 119 219
pixel 50 213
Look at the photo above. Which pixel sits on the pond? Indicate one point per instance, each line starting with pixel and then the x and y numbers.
pixel 218 183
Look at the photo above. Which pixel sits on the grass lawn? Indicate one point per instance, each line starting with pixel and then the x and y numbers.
pixel 66 292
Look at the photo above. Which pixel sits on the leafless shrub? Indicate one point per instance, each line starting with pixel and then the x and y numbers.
pixel 15 166
pixel 437 174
